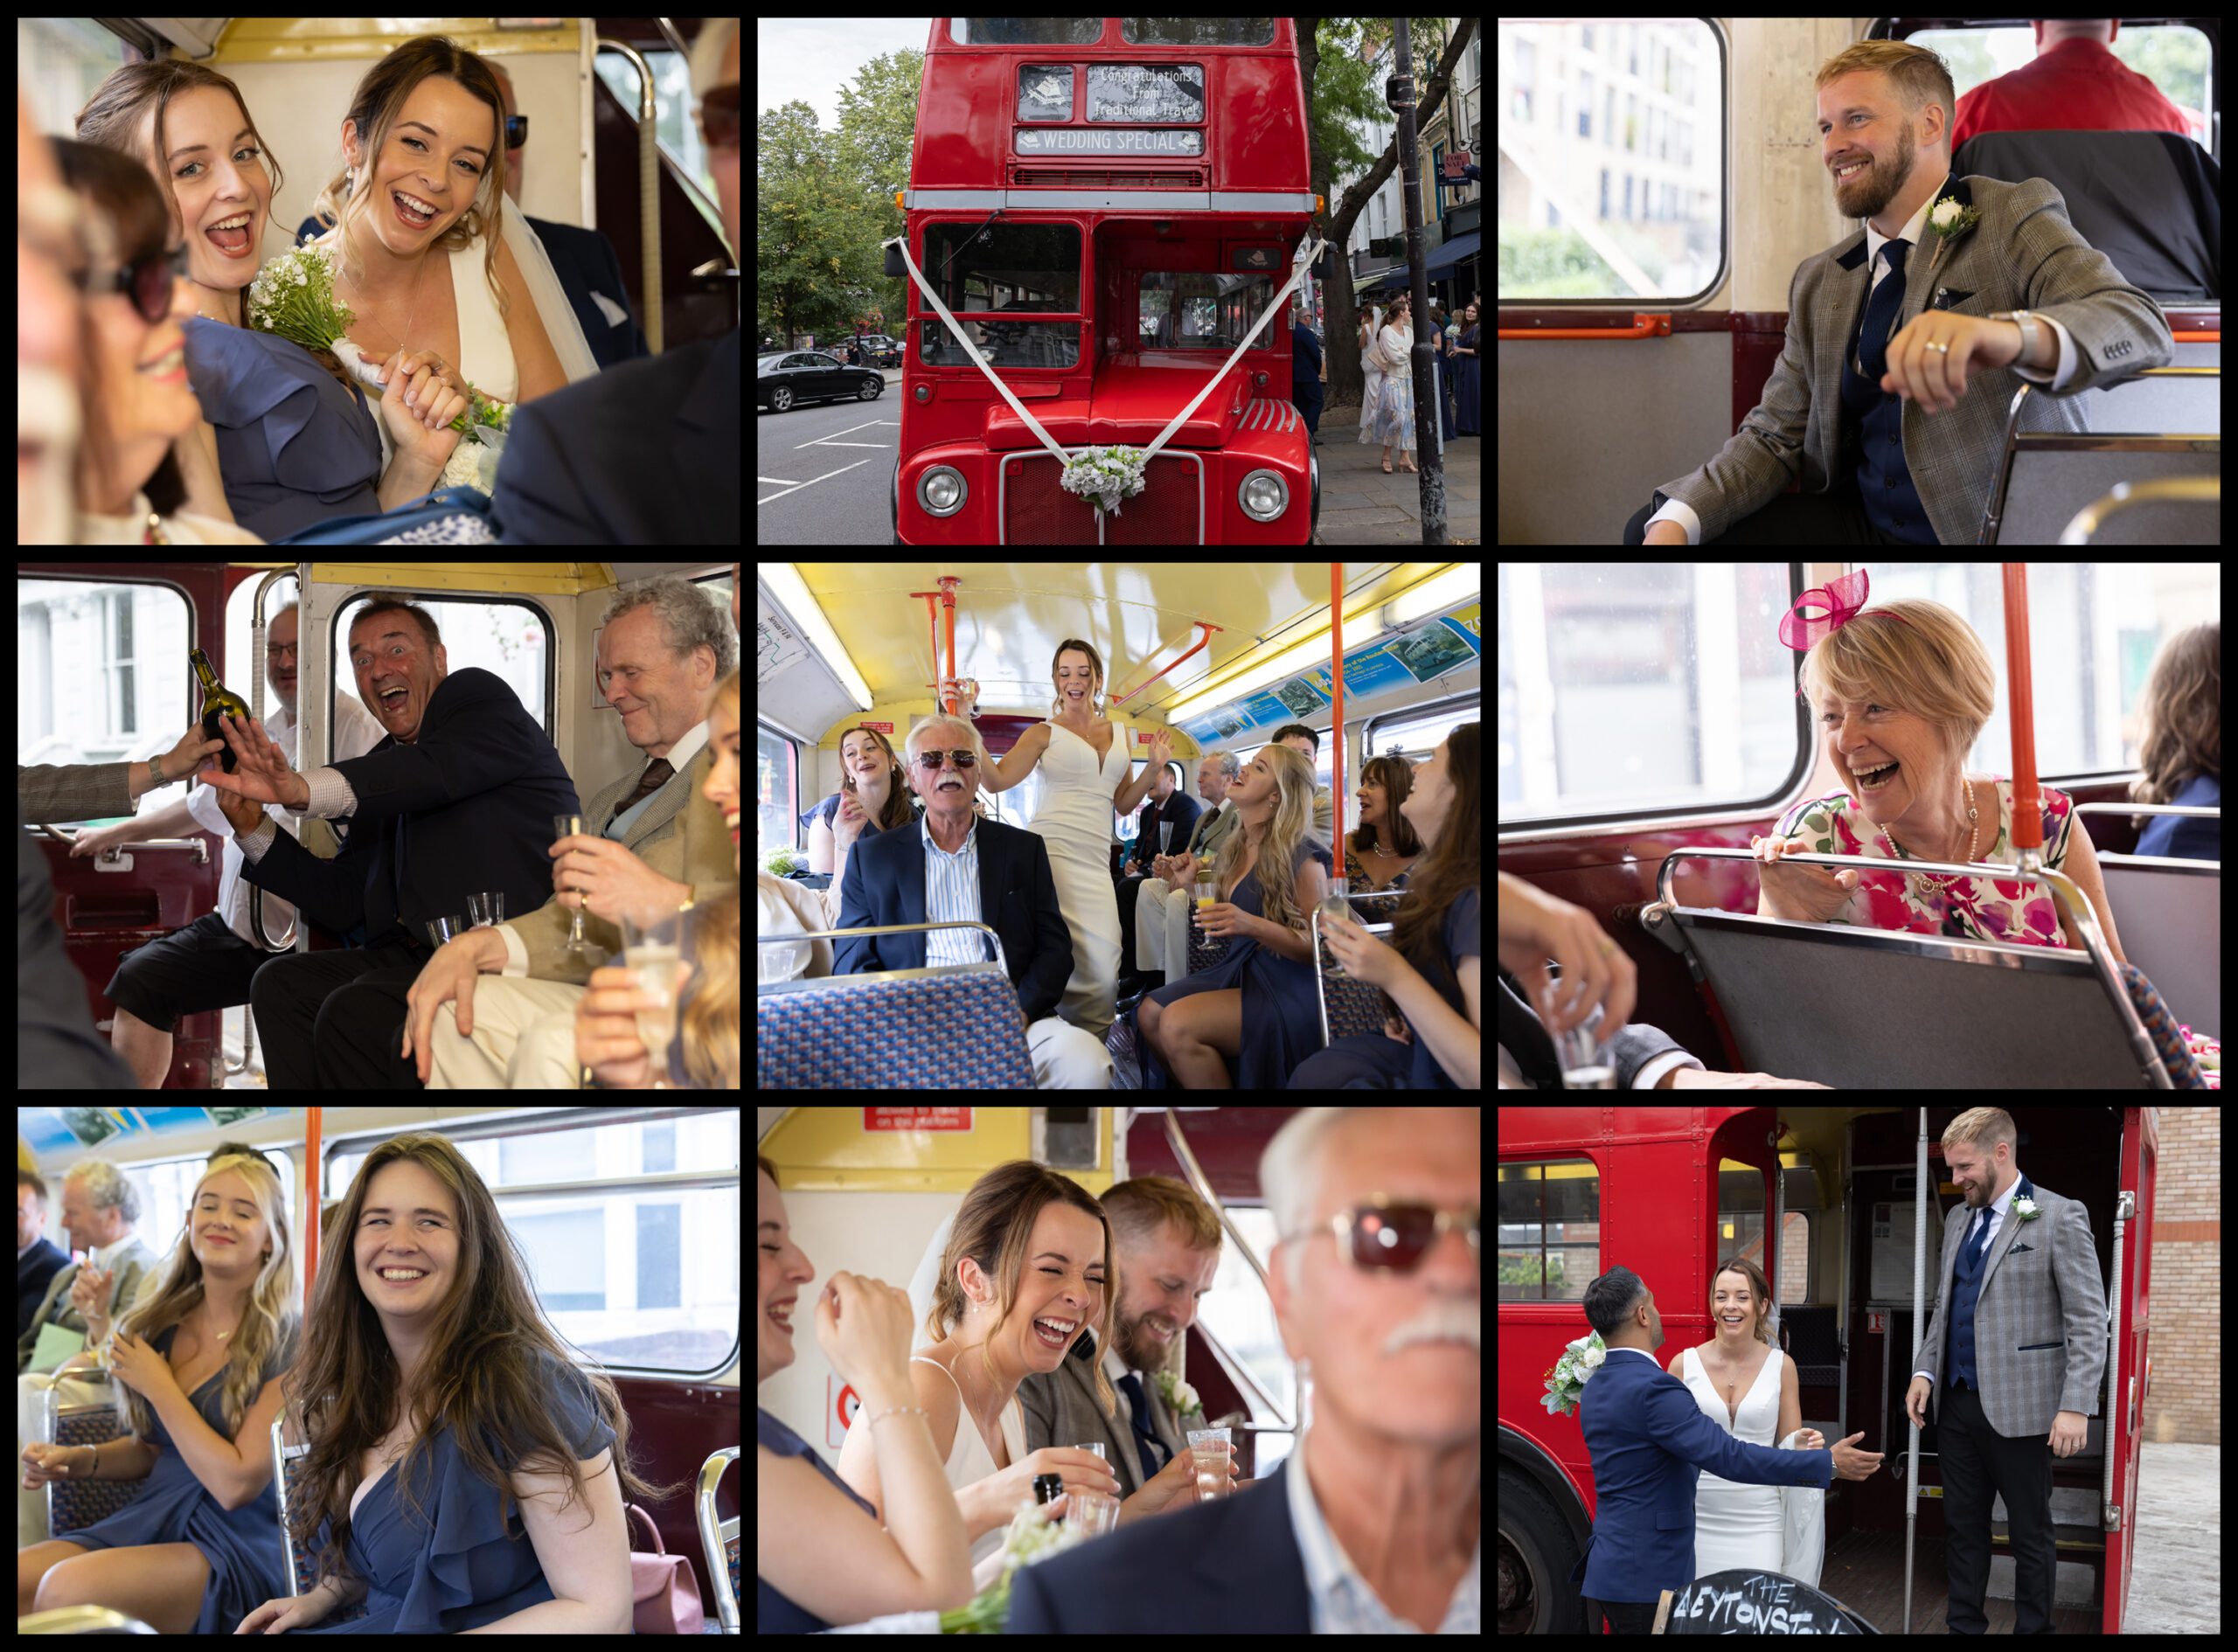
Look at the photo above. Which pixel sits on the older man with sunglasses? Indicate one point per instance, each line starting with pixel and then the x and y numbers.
pixel 957 867
pixel 1371 1525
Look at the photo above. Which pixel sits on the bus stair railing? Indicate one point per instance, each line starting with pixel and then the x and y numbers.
pixel 1875 1009
pixel 2168 927
pixel 945 1025
pixel 2146 459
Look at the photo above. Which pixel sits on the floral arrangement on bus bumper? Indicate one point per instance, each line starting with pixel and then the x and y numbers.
pixel 1105 476
pixel 1571 1373
pixel 293 298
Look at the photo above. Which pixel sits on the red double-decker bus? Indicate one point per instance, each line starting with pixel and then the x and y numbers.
pixel 1107 206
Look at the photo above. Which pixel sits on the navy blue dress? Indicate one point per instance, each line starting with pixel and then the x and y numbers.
pixel 1281 1011
pixel 1370 1061
pixel 775 1614
pixel 467 1567
pixel 296 447
pixel 247 1564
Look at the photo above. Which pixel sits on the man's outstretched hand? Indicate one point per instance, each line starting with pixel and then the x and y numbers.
pixel 261 771
pixel 1852 1464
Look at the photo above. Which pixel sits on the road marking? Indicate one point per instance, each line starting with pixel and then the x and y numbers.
pixel 796 487
pixel 881 446
pixel 865 425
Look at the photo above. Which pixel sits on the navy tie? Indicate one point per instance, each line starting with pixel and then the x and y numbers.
pixel 1148 1445
pixel 1979 1243
pixel 1881 310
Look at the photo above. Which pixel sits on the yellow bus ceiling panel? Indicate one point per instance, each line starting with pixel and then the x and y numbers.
pixel 910 1149
pixel 1009 617
pixel 353 39
pixel 551 579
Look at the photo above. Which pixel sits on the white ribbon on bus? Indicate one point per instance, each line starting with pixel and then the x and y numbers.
pixel 1301 262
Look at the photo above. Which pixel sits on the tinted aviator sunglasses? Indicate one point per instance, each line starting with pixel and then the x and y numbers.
pixel 930 761
pixel 1387 1235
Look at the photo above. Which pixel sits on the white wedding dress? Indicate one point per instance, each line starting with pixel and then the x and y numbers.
pixel 1073 816
pixel 485 347
pixel 1738 1525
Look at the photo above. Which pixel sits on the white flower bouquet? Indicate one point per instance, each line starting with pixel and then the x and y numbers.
pixel 1571 1373
pixel 1105 476
pixel 293 298
pixel 1031 1539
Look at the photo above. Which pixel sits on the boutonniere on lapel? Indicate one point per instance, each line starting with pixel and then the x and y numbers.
pixel 1949 220
pixel 1178 1395
pixel 2025 1208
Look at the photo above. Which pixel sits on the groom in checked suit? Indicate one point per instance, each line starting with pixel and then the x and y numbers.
pixel 1889 330
pixel 1649 1443
pixel 2014 1357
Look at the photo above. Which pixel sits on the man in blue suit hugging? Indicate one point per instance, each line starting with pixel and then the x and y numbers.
pixel 1649 1441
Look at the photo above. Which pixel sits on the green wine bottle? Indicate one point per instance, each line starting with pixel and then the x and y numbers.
pixel 218 701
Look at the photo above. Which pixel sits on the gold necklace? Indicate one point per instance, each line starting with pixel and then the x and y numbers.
pixel 1973 837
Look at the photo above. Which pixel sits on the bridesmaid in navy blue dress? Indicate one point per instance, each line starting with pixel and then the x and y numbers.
pixel 1264 978
pixel 1431 974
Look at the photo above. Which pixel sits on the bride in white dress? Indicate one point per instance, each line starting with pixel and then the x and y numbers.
pixel 448 299
pixel 1746 1386
pixel 1086 775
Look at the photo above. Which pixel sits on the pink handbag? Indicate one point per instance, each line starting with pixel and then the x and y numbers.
pixel 664 1591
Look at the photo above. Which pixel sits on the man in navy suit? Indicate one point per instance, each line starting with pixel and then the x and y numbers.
pixel 1372 1524
pixel 1170 804
pixel 953 867
pixel 458 799
pixel 1649 1442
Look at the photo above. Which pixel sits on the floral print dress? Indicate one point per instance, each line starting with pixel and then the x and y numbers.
pixel 1970 908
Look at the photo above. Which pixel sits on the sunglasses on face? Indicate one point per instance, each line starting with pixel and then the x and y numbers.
pixel 146 281
pixel 930 761
pixel 1392 1236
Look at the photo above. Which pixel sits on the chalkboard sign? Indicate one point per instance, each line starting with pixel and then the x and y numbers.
pixel 1745 1602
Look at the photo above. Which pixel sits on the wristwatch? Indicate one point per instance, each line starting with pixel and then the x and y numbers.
pixel 2027 324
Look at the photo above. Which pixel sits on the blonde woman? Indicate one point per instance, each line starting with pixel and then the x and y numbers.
pixel 197 1363
pixel 1271 875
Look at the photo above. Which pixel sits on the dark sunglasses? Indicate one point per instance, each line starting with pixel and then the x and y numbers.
pixel 1387 1235
pixel 516 130
pixel 930 761
pixel 146 281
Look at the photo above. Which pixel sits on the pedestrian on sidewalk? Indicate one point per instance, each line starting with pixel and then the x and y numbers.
pixel 1389 421
pixel 1306 393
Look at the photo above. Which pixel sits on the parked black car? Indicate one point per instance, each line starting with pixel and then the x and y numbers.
pixel 882 348
pixel 784 379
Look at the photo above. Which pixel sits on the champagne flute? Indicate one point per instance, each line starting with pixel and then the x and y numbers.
pixel 1334 904
pixel 652 946
pixel 572 826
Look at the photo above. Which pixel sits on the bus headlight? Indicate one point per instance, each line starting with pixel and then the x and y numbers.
pixel 940 491
pixel 1264 496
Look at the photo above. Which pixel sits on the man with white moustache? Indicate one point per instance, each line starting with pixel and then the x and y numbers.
pixel 1372 1524
pixel 208 964
pixel 1167 1243
pixel 651 839
pixel 957 867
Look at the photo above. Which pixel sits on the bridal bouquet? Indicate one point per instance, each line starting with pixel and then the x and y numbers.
pixel 1032 1538
pixel 293 298
pixel 1571 1373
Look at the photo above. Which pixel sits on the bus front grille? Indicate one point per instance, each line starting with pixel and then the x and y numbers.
pixel 1036 511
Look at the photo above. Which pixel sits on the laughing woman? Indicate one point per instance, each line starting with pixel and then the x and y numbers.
pixel 437 265
pixel 197 1363
pixel 465 1472
pixel 282 437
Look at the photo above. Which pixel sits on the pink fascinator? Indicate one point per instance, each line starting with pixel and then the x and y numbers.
pixel 1824 609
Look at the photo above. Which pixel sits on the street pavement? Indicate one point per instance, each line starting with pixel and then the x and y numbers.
pixel 823 475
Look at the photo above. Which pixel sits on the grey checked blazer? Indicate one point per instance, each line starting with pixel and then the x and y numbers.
pixel 1060 1408
pixel 2023 254
pixel 2040 1321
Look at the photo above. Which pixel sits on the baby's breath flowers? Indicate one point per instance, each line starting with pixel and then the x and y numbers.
pixel 293 298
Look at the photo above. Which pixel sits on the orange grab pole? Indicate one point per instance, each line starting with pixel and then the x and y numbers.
pixel 947 596
pixel 2027 805
pixel 1337 709
pixel 1206 630
pixel 314 1130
